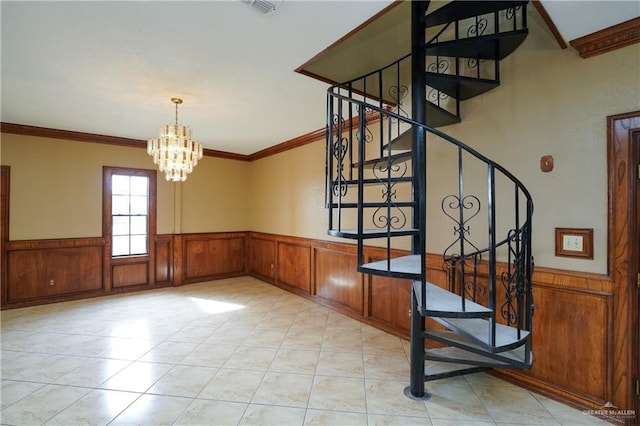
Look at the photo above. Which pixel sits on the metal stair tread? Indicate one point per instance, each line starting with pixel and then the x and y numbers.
pixel 458 10
pixel 436 116
pixel 402 142
pixel 399 267
pixel 515 357
pixel 371 233
pixel 442 303
pixel 373 204
pixel 378 181
pixel 453 355
pixel 435 370
pixel 477 330
pixel 391 159
pixel 482 47
pixel 460 87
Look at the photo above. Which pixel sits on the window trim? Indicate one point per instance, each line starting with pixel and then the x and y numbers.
pixel 107 227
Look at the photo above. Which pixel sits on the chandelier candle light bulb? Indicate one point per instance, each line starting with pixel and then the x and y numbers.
pixel 174 152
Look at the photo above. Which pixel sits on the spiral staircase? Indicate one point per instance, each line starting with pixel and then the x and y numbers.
pixel 394 180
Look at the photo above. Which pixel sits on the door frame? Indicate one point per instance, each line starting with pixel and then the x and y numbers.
pixel 634 264
pixel 5 173
pixel 622 257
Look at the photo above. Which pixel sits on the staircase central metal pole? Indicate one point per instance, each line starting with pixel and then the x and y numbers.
pixel 418 107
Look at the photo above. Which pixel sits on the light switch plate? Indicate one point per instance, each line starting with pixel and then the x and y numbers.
pixel 574 242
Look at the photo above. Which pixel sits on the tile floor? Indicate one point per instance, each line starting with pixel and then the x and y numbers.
pixel 234 351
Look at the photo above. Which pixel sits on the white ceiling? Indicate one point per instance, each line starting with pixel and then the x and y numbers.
pixel 111 67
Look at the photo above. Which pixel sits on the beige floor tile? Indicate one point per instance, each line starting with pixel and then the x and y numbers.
pixel 183 380
pixel 285 389
pixel 338 320
pixel 42 405
pixel 229 334
pixel 262 415
pixel 169 352
pixel 455 399
pixel 513 405
pixel 266 338
pixel 303 338
pixel 387 397
pixel 312 316
pixel 136 377
pixel 98 407
pixel 43 368
pixel 378 366
pixel 76 345
pixel 338 340
pixel 382 343
pixel 232 385
pixel 92 372
pixel 346 364
pixel 338 394
pixel 276 322
pixel 568 415
pixel 486 379
pixel 249 358
pixel 207 412
pixel 458 422
pixel 157 410
pixel 24 340
pixel 382 420
pixel 295 361
pixel 13 391
pixel 342 418
pixel 194 334
pixel 128 348
pixel 209 355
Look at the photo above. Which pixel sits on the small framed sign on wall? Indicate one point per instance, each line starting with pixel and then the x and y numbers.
pixel 574 242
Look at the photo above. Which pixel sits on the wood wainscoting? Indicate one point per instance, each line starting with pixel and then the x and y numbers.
pixel 573 323
pixel 48 271
pixel 42 271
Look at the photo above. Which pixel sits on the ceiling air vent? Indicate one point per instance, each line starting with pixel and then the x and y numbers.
pixel 264 6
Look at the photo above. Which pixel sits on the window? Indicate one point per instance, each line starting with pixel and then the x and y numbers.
pixel 129 215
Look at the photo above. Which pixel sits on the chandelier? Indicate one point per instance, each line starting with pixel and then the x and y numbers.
pixel 175 153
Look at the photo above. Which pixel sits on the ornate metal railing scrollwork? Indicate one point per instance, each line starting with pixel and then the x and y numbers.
pixel 389 215
pixel 513 279
pixel 368 135
pixel 511 12
pixel 439 67
pixel 340 147
pixel 435 96
pixel 464 272
pixel 397 93
pixel 469 204
pixel 476 30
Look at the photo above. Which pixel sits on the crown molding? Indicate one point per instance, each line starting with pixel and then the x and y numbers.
pixel 608 39
pixel 46 132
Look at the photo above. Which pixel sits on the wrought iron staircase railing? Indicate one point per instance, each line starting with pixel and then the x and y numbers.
pixel 381 189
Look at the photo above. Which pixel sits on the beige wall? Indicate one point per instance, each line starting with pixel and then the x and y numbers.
pixel 56 189
pixel 551 102
pixel 287 193
pixel 214 197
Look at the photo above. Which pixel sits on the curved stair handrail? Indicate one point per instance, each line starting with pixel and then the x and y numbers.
pixel 432 130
